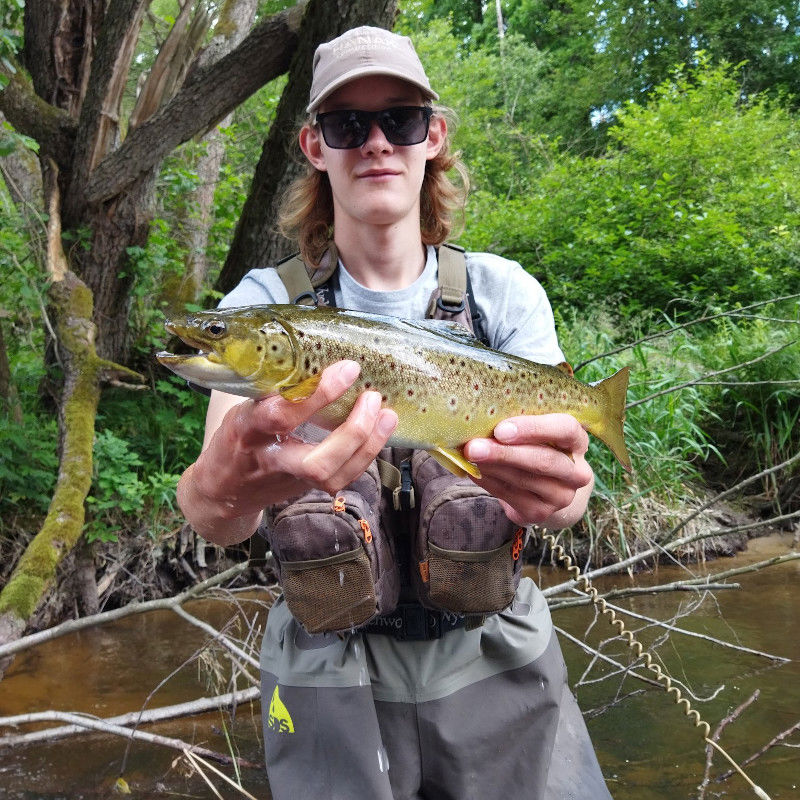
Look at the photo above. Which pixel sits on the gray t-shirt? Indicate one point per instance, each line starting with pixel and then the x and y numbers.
pixel 513 304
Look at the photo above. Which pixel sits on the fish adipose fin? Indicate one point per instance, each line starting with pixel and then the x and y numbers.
pixel 455 462
pixel 301 390
pixel 609 429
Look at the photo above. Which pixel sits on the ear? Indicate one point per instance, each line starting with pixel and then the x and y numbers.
pixel 437 134
pixel 310 138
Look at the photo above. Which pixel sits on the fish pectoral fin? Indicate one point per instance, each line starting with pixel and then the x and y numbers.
pixel 300 391
pixel 455 462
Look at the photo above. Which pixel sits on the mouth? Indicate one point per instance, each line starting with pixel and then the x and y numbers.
pixel 188 339
pixel 379 173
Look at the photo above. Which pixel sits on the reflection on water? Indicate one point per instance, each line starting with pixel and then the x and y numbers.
pixel 648 749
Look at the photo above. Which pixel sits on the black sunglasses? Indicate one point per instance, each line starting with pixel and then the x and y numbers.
pixel 348 128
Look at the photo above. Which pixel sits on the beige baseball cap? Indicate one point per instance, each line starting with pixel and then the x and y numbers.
pixel 365 51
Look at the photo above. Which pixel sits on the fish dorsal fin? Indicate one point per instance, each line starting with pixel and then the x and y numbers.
pixel 443 327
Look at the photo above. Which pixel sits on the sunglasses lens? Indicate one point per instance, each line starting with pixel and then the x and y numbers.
pixel 347 129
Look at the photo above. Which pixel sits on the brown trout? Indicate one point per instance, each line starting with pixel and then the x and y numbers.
pixel 445 386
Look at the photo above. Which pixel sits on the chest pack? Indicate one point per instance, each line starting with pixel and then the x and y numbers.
pixel 408 548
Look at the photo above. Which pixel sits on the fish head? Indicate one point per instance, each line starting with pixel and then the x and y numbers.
pixel 247 351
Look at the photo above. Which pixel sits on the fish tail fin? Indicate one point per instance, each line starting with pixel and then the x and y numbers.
pixel 609 429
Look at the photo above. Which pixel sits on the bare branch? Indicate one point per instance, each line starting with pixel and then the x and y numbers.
pixel 705 377
pixel 670 331
pixel 201 705
pixel 93 723
pixel 118 613
pixel 208 95
pixel 657 550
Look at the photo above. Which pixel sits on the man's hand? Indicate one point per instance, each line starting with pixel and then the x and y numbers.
pixel 536 466
pixel 250 461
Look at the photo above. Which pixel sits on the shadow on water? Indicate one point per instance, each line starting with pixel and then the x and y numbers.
pixel 647 748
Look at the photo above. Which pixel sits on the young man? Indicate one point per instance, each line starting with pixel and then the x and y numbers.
pixel 476 711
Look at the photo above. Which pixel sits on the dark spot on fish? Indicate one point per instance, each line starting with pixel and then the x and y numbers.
pixel 453 401
pixel 476 386
pixel 466 418
pixel 274 348
pixel 300 334
pixel 452 361
pixel 315 370
pixel 318 345
pixel 259 348
pixel 423 410
pixel 367 384
pixel 541 396
pixel 384 398
pixel 463 363
pixel 410 392
pixel 491 411
pixel 308 363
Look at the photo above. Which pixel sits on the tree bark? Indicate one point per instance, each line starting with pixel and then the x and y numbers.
pixel 256 242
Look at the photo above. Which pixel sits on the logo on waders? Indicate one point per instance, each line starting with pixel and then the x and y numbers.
pixel 279 720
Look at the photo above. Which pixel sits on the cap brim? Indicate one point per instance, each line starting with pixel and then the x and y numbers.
pixel 364 72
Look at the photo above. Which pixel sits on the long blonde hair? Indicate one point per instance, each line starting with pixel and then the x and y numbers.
pixel 306 214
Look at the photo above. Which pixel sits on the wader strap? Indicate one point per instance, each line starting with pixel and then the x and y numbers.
pixel 302 281
pixel 292 271
pixel 452 278
pixel 398 482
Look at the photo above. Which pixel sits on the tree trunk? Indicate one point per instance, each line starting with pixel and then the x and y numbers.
pixel 256 243
pixel 236 18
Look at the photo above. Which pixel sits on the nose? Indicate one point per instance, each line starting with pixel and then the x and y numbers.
pixel 376 141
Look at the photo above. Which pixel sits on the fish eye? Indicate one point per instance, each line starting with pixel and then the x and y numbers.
pixel 214 328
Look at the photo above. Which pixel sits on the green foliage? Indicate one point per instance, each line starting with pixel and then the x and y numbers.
pixel 665 434
pixel 697 197
pixel 760 401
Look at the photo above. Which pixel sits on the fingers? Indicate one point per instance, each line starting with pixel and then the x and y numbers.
pixel 347 452
pixel 535 465
pixel 259 421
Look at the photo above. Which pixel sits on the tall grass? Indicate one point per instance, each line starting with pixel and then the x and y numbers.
pixel 684 417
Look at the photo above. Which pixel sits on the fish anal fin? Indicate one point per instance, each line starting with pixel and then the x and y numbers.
pixel 455 462
pixel 300 391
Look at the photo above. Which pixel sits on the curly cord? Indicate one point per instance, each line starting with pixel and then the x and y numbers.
pixel 635 645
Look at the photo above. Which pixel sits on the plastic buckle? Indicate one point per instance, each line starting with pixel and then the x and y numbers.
pixel 451 309
pixel 306 296
pixel 407 498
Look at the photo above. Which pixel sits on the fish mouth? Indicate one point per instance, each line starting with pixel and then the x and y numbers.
pixel 198 367
pixel 187 338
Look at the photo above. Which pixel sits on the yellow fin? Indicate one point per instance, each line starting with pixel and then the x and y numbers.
pixel 455 462
pixel 609 429
pixel 301 390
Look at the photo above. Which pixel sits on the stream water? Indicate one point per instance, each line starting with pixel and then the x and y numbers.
pixel 648 749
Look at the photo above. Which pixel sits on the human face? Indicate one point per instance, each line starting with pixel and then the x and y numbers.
pixel 377 183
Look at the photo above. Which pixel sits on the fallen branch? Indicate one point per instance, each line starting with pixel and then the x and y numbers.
pixel 200 706
pixel 776 740
pixel 93 723
pixel 674 629
pixel 656 550
pixel 705 377
pixel 217 636
pixel 735 714
pixel 670 331
pixel 70 626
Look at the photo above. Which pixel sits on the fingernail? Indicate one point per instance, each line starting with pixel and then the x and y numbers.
pixel 506 431
pixel 387 422
pixel 477 450
pixel 349 370
pixel 372 402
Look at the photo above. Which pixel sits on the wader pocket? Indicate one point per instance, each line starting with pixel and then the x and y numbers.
pixel 468 552
pixel 335 564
